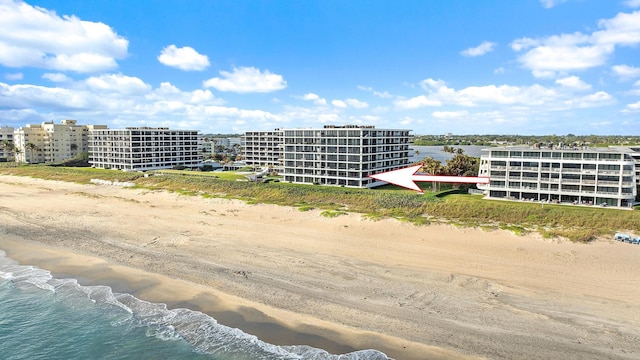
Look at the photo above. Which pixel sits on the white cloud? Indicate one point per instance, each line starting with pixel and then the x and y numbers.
pixel 416 102
pixel 339 103
pixel 479 50
pixel 355 103
pixel 626 72
pixel 184 58
pixel 25 96
pixel 567 94
pixel 315 98
pixel 488 94
pixel 577 51
pixel 56 77
pixel 633 107
pixel 623 29
pixel 596 99
pixel 573 82
pixel 548 4
pixel 543 74
pixel 310 96
pixel 450 114
pixel 118 83
pixel 380 94
pixel 383 94
pixel 14 76
pixel 247 80
pixel 499 70
pixel 632 3
pixel 37 37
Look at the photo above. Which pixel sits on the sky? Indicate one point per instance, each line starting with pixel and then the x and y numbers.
pixel 525 67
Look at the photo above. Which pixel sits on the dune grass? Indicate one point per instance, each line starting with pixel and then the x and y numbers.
pixel 575 223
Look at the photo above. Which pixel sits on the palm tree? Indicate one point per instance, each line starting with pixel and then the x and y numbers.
pixel 432 167
pixel 448 149
pixel 9 148
pixel 74 149
pixel 32 147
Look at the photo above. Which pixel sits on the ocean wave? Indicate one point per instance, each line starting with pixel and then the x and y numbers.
pixel 201 331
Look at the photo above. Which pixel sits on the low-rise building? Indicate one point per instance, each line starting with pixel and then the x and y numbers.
pixel 144 148
pixel 570 175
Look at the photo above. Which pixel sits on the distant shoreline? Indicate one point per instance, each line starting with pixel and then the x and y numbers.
pixel 339 283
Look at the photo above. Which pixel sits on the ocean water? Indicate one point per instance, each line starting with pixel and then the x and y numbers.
pixel 42 317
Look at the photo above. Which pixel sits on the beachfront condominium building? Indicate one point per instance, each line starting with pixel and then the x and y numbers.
pixel 342 155
pixel 634 152
pixel 6 143
pixel 263 149
pixel 144 148
pixel 560 174
pixel 49 142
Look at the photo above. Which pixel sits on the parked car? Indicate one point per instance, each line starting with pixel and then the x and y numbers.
pixel 636 240
pixel 622 237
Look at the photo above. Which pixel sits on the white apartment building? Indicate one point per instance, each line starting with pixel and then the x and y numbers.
pixel 634 152
pixel 263 149
pixel 49 142
pixel 228 142
pixel 586 176
pixel 6 134
pixel 144 148
pixel 342 155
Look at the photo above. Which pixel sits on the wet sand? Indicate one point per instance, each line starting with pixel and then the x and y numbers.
pixel 341 284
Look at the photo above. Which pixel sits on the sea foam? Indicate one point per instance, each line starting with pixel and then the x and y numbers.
pixel 201 331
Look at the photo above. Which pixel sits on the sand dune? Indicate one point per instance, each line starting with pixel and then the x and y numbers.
pixel 344 283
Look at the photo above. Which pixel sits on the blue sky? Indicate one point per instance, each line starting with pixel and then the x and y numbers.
pixel 435 67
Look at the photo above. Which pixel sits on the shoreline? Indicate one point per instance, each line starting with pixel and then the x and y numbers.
pixel 345 283
pixel 252 318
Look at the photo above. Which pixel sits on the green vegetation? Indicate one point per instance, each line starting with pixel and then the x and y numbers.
pixel 332 213
pixel 486 140
pixel 575 223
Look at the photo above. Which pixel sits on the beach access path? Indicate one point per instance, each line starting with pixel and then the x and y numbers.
pixel 345 283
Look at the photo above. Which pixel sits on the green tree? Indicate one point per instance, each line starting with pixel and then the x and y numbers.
pixel 33 148
pixel 432 166
pixel 8 147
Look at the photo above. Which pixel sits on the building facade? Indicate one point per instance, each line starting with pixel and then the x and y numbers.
pixel 342 155
pixel 143 148
pixel 634 152
pixel 586 176
pixel 49 142
pixel 6 137
pixel 263 149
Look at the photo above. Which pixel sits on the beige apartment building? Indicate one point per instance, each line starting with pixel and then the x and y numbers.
pixel 49 142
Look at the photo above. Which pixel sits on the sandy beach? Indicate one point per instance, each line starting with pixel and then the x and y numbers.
pixel 341 284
